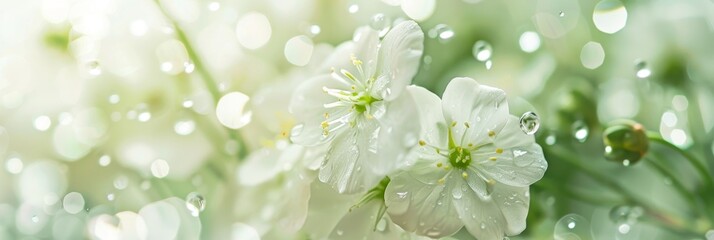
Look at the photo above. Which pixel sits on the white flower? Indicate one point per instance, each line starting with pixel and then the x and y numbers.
pixel 474 167
pixel 361 110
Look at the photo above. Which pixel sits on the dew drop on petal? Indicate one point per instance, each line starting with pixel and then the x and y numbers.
pixel 529 41
pixel 93 68
pixel 313 30
pixel 188 103
pixel 457 193
pixel 530 122
pixel 610 16
pixel 230 110
pixel 380 23
pixel 641 69
pixel 580 131
pixel 561 14
pixel 402 195
pixel 626 162
pixel 195 203
pixel 482 50
pixel 160 168
pixel 571 226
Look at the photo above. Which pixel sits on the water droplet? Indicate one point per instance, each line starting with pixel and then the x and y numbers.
pixel 442 32
pixel 214 6
pixel 110 197
pixel 641 69
pixel 121 182
pixel 184 127
pixel 592 55
pixel 114 98
pixel 93 68
pixel 160 168
pixel 382 225
pixel 231 111
pixel 529 41
pixel 14 165
pixel 195 203
pixel 623 228
pixel 624 214
pixel 488 64
pixel 380 23
pixel 402 195
pixel 314 30
pixel 189 67
pixel 571 226
pixel 561 14
pixel 35 218
pixel 482 51
pixel 105 160
pixel 580 131
pixel 483 225
pixel 457 193
pixel 298 50
pixel 551 139
pixel 610 16
pixel 626 162
pixel 42 123
pixel 353 8
pixel 340 232
pixel 142 113
pixel 530 122
pixel 73 202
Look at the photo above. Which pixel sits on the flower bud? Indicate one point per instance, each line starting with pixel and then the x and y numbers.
pixel 625 141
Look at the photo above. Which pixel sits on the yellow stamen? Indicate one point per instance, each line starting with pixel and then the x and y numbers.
pixel 453 124
pixel 467 124
pixel 441 181
pixel 464 175
pixel 499 150
pixel 491 133
pixel 493 158
pixel 422 143
pixel 324 124
pixel 439 164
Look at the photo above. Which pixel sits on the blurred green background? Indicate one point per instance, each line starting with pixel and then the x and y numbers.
pixel 109 123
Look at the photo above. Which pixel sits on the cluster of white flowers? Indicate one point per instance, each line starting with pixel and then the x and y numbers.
pixel 433 165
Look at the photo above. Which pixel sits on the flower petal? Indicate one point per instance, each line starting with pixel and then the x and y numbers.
pixel 265 164
pixel 363 47
pixel 431 119
pixel 425 209
pixel 514 203
pixel 343 167
pixel 399 56
pixel 518 167
pixel 476 109
pixel 481 217
pixel 307 106
pixel 398 134
pixel 359 225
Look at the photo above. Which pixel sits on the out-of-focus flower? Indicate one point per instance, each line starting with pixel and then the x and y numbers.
pixel 361 110
pixel 625 142
pixel 474 167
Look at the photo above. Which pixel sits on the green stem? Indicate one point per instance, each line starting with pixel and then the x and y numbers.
pixel 676 183
pixel 206 76
pixel 630 198
pixel 698 165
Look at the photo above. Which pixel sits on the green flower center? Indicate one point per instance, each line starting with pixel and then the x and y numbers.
pixel 460 158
